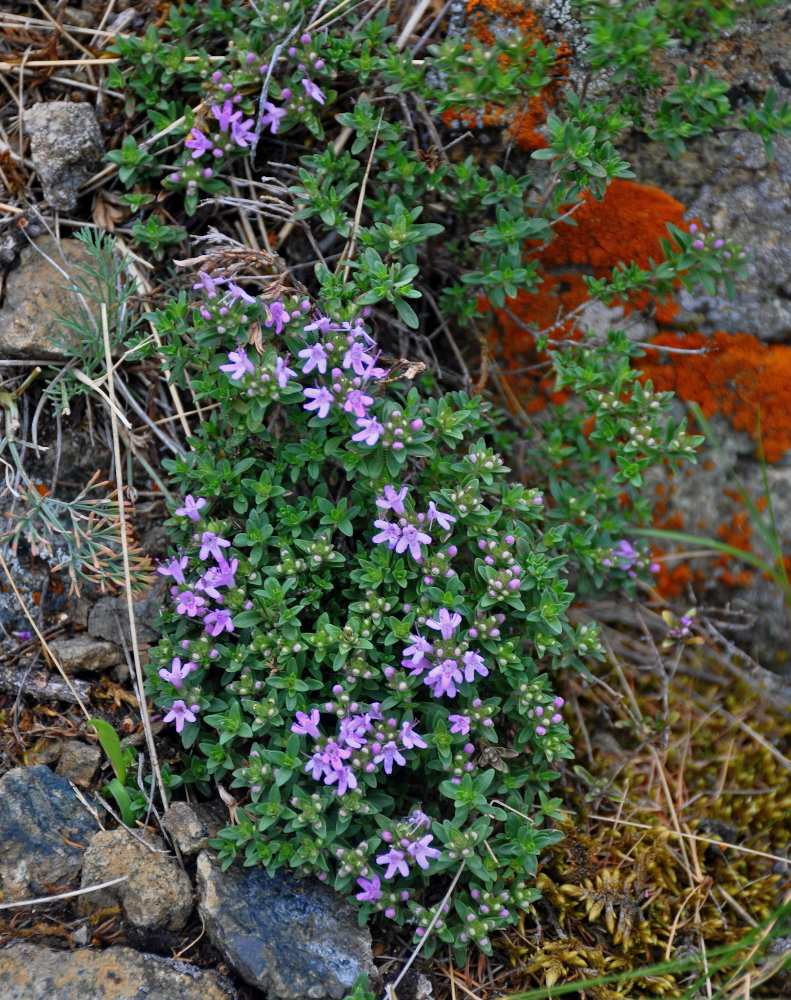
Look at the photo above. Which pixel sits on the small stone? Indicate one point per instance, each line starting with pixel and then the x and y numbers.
pixel 157 895
pixel 84 654
pixel 191 826
pixel 78 762
pixel 66 147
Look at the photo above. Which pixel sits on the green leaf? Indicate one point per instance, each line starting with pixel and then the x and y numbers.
pixel 111 745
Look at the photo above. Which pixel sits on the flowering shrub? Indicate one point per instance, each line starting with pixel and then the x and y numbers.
pixel 358 615
pixel 368 607
pixel 366 611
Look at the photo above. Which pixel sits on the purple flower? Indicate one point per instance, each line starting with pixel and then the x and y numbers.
pixel 335 755
pixel 239 365
pixel 371 889
pixel 315 357
pixel 175 567
pixel 418 818
pixel 283 373
pixel 447 624
pixel 189 604
pixel 443 520
pixel 212 544
pixel 443 678
pixel 323 324
pixel 307 725
pixel 191 508
pixel 412 538
pixel 180 714
pixel 217 622
pixel 356 402
pixel 345 778
pixel 208 284
pixel 272 116
pixel 317 765
pixel 217 576
pixel 356 328
pixel 177 672
pixel 370 430
pixel 198 143
pixel 312 90
pixel 417 667
pixel 409 738
pixel 240 293
pixel 321 399
pixel 351 731
pixel 390 754
pixel 395 861
pixel 277 316
pixel 225 115
pixel 626 555
pixel 390 533
pixel 417 650
pixel 473 663
pixel 241 134
pixel 421 852
pixel 459 724
pixel 356 358
pixel 392 500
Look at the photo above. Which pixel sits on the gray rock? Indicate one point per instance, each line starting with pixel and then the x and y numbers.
pixel 84 654
pixel 44 829
pixel 157 894
pixel 32 972
pixel 78 762
pixel 293 938
pixel 34 292
pixel 191 826
pixel 108 618
pixel 66 147
pixel 750 204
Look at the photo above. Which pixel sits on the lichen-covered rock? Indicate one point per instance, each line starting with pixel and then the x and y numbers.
pixel 33 972
pixel 293 938
pixel 156 895
pixel 66 147
pixel 43 832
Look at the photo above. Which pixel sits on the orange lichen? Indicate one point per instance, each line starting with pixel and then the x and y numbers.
pixel 736 376
pixel 521 122
pixel 627 225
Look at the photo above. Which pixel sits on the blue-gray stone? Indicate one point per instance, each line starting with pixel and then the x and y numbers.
pixel 44 830
pixel 293 938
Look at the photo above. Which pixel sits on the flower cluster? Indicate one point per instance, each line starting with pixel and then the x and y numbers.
pixel 626 557
pixel 446 662
pixel 364 742
pixel 191 599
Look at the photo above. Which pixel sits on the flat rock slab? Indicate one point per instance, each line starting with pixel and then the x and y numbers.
pixel 44 830
pixel 293 938
pixel 32 972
